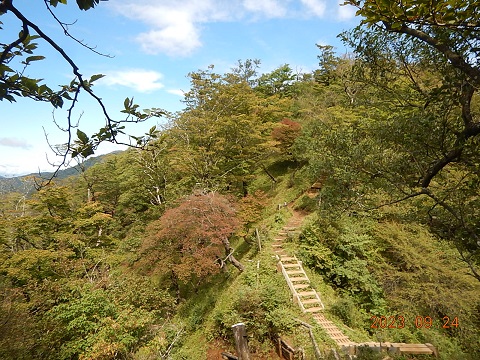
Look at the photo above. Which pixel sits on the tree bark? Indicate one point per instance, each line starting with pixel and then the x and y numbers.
pixel 269 174
pixel 230 257
pixel 241 341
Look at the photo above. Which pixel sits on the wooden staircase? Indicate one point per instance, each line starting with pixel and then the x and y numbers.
pixel 303 293
pixel 334 332
pixel 309 300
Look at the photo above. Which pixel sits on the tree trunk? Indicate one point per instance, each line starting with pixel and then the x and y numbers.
pixel 230 257
pixel 245 189
pixel 269 174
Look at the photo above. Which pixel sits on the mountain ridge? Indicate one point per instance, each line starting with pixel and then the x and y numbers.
pixel 25 183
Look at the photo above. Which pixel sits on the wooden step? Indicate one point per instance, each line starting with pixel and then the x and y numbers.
pixel 398 348
pixel 344 342
pixel 293 272
pixel 330 327
pixel 338 336
pixel 415 349
pixel 292 279
pixel 327 325
pixel 310 301
pixel 320 318
pixel 301 286
pixel 300 273
pixel 277 245
pixel 288 258
pixel 313 309
pixel 291 265
pixel 307 293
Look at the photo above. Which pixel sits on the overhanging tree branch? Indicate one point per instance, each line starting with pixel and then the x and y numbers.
pixel 16 84
pixel 454 58
pixel 409 196
pixel 75 68
pixel 471 128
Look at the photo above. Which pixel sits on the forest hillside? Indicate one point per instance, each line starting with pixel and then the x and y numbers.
pixel 155 252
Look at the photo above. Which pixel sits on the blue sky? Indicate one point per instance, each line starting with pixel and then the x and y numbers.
pixel 153 45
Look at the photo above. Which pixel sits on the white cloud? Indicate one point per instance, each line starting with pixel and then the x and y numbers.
pixel 15 143
pixel 138 79
pixel 346 12
pixel 268 8
pixel 176 39
pixel 317 7
pixel 174 28
pixel 322 42
pixel 16 163
pixel 176 92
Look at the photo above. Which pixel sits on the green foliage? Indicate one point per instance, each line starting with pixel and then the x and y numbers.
pixel 362 126
pixel 388 268
pixel 258 301
pixel 430 144
pixel 307 203
pixel 369 354
pixel 16 328
pixel 279 82
pixel 251 208
pixel 224 132
pixel 348 312
pixel 343 251
pixel 431 283
pixel 95 327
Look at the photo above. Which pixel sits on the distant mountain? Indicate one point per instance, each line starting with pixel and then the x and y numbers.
pixel 75 170
pixel 12 184
pixel 25 184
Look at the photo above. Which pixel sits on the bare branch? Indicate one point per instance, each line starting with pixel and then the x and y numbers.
pixel 66 32
pixel 409 196
pixel 81 82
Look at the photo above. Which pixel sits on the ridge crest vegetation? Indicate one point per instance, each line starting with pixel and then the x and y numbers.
pixel 155 252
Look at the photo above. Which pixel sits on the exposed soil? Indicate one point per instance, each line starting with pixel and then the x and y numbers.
pixel 216 348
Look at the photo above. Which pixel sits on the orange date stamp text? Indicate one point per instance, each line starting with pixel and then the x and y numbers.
pixel 400 321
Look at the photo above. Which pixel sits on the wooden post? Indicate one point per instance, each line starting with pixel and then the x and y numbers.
pixel 258 270
pixel 241 345
pixel 318 354
pixel 258 240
